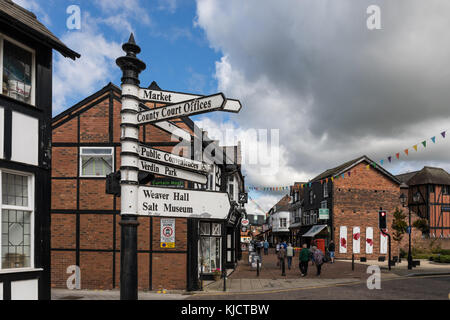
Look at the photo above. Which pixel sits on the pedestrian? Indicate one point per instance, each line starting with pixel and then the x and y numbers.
pixel 313 249
pixel 304 257
pixel 331 249
pixel 318 260
pixel 266 247
pixel 289 254
pixel 277 248
pixel 282 258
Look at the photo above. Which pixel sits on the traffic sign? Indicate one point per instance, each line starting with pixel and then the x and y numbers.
pixel 167 233
pixel 172 97
pixel 173 160
pixel 167 171
pixel 243 197
pixel 186 108
pixel 185 203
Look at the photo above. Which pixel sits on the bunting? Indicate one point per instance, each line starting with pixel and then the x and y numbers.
pixel 342 176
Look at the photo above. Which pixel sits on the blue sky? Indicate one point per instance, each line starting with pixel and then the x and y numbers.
pixel 333 88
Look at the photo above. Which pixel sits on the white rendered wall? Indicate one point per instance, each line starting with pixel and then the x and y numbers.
pixel 25 139
pixel 24 290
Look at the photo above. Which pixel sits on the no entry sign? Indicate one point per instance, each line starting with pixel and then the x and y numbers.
pixel 167 233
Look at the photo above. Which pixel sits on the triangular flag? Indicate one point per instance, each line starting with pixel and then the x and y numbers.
pixel 433 139
pixel 349 173
pixel 424 144
pixel 397 155
pixel 415 147
pixel 310 184
pixel 367 167
pixel 374 164
pixel 443 134
pixel 343 175
pixel 389 158
pixel 332 178
pixel 381 161
pixel 406 151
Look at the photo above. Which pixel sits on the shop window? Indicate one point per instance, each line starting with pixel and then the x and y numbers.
pixel 16 221
pixel 325 190
pixel 17 71
pixel 210 247
pixel 96 162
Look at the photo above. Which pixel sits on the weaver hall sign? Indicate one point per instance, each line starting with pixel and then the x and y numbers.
pixel 169 202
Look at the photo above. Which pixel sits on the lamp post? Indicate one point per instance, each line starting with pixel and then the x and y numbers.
pixel 403 201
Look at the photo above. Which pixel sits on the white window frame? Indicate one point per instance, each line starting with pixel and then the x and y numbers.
pixel 33 66
pixel 29 208
pixel 323 204
pixel 325 190
pixel 81 162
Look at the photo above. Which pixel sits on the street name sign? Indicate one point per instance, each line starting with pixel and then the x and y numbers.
pixel 164 170
pixel 173 160
pixel 186 108
pixel 185 203
pixel 171 97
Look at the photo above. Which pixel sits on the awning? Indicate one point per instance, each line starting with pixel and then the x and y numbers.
pixel 314 230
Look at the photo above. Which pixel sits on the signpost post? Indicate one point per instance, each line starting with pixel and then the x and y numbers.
pixel 131 66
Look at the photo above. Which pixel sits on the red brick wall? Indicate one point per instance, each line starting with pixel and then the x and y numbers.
pixel 60 260
pixel 356 202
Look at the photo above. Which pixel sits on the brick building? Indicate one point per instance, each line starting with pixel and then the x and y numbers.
pixel 428 194
pixel 85 220
pixel 353 193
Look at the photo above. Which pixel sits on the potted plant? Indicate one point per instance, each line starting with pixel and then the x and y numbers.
pixel 217 274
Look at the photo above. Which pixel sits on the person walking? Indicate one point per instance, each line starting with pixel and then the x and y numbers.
pixel 289 254
pixel 304 259
pixel 277 248
pixel 266 247
pixel 282 259
pixel 318 260
pixel 331 249
pixel 313 249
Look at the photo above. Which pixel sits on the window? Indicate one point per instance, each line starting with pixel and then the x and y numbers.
pixel 231 191
pixel 17 70
pixel 431 188
pixel 282 222
pixel 17 221
pixel 325 190
pixel 311 197
pixel 96 162
pixel 323 204
pixel 210 247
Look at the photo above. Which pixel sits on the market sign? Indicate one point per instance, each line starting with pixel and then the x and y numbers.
pixel 172 172
pixel 167 233
pixel 186 108
pixel 324 214
pixel 184 203
pixel 171 97
pixel 173 160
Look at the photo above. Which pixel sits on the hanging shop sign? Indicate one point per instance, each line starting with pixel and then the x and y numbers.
pixel 172 172
pixel 167 233
pixel 185 203
pixel 243 197
pixel 171 97
pixel 244 222
pixel 173 160
pixel 324 214
pixel 210 103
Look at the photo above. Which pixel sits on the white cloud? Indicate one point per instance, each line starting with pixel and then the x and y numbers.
pixel 86 75
pixel 334 89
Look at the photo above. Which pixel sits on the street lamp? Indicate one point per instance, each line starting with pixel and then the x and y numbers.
pixel 403 201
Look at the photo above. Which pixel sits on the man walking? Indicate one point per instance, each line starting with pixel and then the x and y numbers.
pixel 266 247
pixel 282 259
pixel 289 255
pixel 303 259
pixel 331 248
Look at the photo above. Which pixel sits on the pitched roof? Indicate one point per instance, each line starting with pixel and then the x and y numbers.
pixel 404 177
pixel 429 175
pixel 27 22
pixel 349 164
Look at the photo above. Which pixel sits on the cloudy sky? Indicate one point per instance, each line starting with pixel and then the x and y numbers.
pixel 309 71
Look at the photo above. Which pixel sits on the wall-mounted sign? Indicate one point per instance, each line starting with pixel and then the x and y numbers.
pixel 167 171
pixel 167 233
pixel 324 214
pixel 186 108
pixel 173 160
pixel 243 197
pixel 171 97
pixel 169 202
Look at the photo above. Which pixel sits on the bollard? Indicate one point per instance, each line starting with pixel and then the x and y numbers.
pixel 224 281
pixel 353 262
pixel 257 268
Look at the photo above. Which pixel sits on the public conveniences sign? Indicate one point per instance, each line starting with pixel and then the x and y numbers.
pixel 168 202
